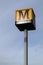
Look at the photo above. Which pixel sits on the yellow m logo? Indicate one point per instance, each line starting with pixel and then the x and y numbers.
pixel 24 15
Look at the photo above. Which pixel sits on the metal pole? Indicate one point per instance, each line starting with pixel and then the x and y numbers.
pixel 25 47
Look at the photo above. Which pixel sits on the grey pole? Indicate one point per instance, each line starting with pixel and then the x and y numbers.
pixel 25 47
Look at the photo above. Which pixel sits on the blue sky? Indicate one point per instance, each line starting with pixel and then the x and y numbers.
pixel 11 39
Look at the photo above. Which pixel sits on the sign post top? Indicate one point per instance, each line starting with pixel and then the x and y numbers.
pixel 25 19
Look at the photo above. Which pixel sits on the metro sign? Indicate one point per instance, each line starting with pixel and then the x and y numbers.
pixel 25 19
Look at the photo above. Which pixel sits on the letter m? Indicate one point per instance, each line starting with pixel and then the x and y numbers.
pixel 23 15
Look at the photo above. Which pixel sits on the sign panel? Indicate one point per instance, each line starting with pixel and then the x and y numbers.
pixel 25 19
pixel 24 16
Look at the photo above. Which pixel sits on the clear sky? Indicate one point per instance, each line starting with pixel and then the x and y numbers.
pixel 11 39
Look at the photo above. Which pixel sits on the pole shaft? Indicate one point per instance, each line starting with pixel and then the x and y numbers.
pixel 25 47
